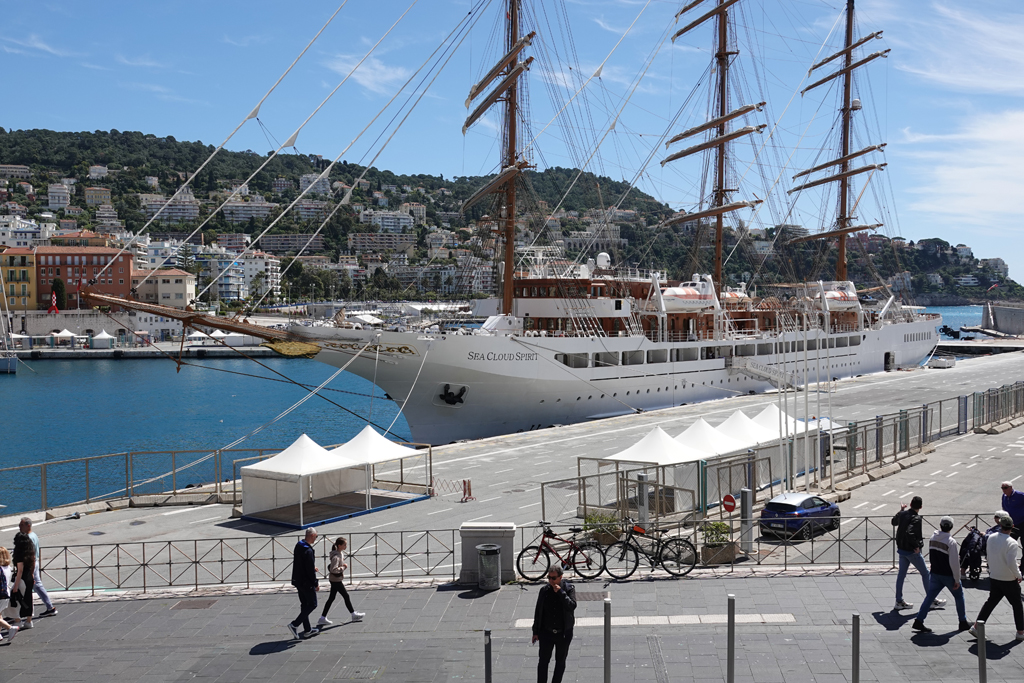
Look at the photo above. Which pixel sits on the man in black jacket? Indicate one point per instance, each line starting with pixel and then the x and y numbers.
pixel 909 541
pixel 305 582
pixel 553 620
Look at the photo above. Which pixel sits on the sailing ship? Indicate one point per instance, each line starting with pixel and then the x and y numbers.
pixel 575 341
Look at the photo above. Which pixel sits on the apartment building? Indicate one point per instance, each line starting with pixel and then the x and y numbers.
pixel 312 209
pixel 364 242
pixel 239 211
pixel 270 266
pixel 18 269
pixel 293 242
pixel 316 184
pixel 94 196
pixel 77 266
pixel 14 171
pixel 388 221
pixel 184 207
pixel 167 287
pixel 58 196
pixel 226 270
pixel 234 241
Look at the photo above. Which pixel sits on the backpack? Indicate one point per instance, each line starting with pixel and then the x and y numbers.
pixel 4 593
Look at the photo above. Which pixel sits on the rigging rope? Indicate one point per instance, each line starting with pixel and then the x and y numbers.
pixel 251 115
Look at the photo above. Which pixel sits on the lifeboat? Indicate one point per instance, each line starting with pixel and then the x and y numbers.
pixel 689 296
pixel 841 297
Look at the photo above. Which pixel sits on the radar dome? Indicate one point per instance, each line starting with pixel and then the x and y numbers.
pixel 603 260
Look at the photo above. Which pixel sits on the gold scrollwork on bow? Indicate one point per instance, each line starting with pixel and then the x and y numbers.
pixel 404 349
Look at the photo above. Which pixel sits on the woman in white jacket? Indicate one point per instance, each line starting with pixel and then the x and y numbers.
pixel 336 576
pixel 5 580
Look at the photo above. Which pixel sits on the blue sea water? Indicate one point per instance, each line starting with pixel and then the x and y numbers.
pixel 70 409
pixel 956 316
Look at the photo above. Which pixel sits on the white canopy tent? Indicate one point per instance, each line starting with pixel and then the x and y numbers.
pixel 769 419
pixel 742 428
pixel 369 448
pixel 703 437
pixel 64 334
pixel 658 448
pixel 103 340
pixel 302 472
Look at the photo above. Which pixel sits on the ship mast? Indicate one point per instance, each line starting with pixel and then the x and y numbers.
pixel 719 204
pixel 843 227
pixel 510 68
pixel 510 161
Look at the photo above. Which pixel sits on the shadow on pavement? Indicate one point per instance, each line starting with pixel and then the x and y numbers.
pixel 273 647
pixel 893 620
pixel 934 639
pixel 995 650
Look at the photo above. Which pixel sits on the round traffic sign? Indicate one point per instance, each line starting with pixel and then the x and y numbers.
pixel 729 502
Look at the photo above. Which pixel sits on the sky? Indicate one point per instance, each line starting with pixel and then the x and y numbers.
pixel 947 100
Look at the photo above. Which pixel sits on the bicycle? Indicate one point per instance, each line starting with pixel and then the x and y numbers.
pixel 586 558
pixel 676 555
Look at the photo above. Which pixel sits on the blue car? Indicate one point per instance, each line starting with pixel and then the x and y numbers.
pixel 798 514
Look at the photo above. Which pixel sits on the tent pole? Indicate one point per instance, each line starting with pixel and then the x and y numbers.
pixel 368 501
pixel 301 521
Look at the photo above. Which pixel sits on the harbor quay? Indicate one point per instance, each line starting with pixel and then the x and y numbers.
pixel 794 621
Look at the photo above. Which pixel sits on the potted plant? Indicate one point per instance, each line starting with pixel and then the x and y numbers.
pixel 602 526
pixel 718 548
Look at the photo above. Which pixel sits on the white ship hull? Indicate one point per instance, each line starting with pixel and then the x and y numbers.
pixel 514 383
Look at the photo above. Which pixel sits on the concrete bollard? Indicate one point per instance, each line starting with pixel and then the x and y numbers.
pixel 730 675
pixel 607 640
pixel 856 647
pixel 487 655
pixel 982 653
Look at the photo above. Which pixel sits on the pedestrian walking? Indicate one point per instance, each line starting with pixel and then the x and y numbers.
pixel 25 526
pixel 6 588
pixel 1004 576
pixel 553 620
pixel 909 541
pixel 1013 502
pixel 24 559
pixel 944 556
pixel 336 577
pixel 304 579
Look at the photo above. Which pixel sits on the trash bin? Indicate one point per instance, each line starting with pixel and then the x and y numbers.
pixel 489 566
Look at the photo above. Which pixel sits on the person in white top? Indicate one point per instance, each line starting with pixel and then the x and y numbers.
pixel 5 582
pixel 337 579
pixel 1004 575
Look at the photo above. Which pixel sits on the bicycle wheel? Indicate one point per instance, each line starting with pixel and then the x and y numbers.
pixel 587 560
pixel 621 560
pixel 678 556
pixel 533 563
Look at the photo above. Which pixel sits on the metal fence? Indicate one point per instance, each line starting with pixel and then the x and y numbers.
pixel 401 555
pixel 157 565
pixel 48 485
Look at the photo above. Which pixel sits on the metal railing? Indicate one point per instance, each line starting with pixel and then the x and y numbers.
pixel 115 475
pixel 148 566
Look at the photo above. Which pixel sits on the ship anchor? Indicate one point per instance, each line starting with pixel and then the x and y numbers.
pixel 450 397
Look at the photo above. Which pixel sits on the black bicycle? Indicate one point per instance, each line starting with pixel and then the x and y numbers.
pixel 585 557
pixel 676 555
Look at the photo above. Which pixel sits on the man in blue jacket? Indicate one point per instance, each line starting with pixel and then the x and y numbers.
pixel 305 582
pixel 553 620
pixel 1013 502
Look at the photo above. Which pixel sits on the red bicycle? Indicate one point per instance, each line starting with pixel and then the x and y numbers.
pixel 585 557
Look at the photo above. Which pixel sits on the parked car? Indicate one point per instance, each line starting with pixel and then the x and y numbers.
pixel 798 514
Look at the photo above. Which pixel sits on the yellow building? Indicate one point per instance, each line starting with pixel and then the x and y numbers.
pixel 94 196
pixel 18 269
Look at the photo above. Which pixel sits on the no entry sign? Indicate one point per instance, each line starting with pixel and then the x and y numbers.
pixel 729 502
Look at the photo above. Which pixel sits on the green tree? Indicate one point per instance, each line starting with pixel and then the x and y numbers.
pixel 62 293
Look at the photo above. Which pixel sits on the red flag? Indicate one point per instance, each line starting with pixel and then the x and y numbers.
pixel 992 287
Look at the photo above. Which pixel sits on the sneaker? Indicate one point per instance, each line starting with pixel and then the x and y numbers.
pixel 25 625
pixel 358 616
pixel 323 621
pixel 920 627
pixel 903 604
pixel 13 631
pixel 294 629
pixel 309 634
pixel 973 631
pixel 50 612
pixel 965 626
pixel 1020 635
pixel 939 602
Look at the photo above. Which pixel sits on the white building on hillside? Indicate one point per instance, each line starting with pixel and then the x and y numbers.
pixel 319 185
pixel 58 196
pixel 268 264
pixel 389 221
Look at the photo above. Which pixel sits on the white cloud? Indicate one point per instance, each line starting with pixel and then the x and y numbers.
pixel 972 176
pixel 143 61
pixel 608 27
pixel 959 46
pixel 34 42
pixel 372 74
pixel 161 92
pixel 97 67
